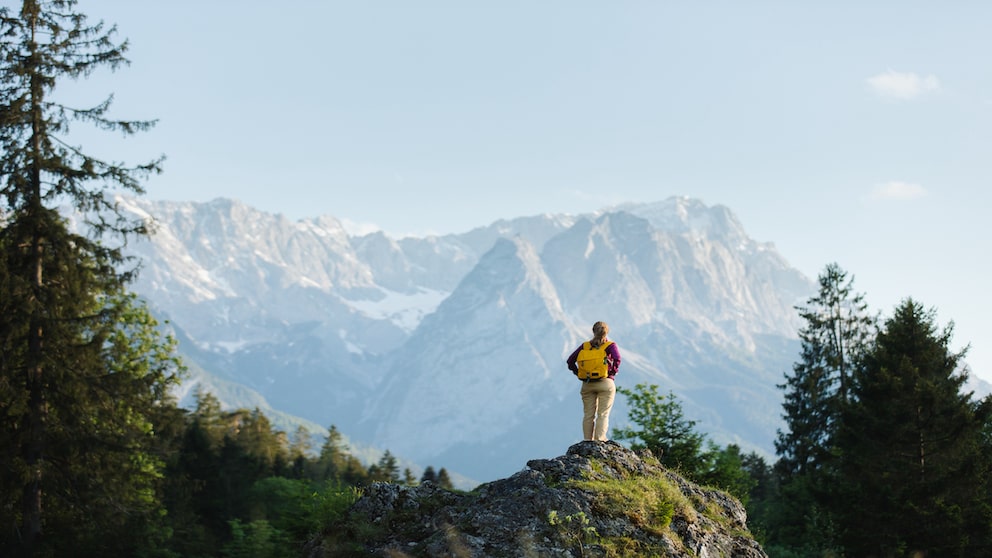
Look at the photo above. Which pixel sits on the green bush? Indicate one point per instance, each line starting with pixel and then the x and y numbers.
pixel 258 539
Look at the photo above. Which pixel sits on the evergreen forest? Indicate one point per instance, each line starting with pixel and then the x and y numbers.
pixel 882 451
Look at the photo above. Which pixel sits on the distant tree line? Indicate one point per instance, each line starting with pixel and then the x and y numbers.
pixel 235 486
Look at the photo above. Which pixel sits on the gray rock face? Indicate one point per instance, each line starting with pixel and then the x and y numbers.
pixel 599 499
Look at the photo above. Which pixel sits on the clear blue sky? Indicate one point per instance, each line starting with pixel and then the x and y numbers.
pixel 850 132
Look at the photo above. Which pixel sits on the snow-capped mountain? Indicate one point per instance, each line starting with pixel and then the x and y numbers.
pixel 449 350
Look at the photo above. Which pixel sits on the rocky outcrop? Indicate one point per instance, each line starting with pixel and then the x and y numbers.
pixel 597 500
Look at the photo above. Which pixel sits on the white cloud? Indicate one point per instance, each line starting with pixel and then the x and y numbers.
pixel 896 190
pixel 904 86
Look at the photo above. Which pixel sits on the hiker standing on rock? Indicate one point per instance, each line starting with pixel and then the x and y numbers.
pixel 596 362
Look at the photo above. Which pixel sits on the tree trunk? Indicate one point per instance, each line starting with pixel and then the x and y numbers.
pixel 34 450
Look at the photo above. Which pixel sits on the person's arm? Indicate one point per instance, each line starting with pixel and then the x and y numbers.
pixel 614 353
pixel 571 361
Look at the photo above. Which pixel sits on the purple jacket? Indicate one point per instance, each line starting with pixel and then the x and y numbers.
pixel 612 357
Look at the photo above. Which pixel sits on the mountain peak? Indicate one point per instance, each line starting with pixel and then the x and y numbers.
pixel 682 214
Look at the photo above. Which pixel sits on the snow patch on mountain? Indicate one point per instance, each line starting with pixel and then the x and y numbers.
pixel 228 347
pixel 404 310
pixel 348 345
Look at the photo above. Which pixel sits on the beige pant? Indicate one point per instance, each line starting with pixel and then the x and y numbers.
pixel 597 400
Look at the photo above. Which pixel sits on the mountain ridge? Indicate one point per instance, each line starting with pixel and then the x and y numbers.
pixel 343 330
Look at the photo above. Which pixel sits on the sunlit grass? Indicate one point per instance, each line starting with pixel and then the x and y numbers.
pixel 649 503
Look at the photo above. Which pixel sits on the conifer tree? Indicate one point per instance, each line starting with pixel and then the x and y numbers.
pixel 209 418
pixel 444 479
pixel 82 459
pixel 193 498
pixel 836 332
pixel 429 475
pixel 913 476
pixel 331 461
pixel 253 431
pixel 724 469
pixel 387 469
pixel 299 450
pixel 78 395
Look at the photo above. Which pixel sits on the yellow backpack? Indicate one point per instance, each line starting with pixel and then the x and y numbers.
pixel 592 362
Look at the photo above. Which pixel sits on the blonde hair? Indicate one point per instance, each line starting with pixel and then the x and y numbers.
pixel 599 331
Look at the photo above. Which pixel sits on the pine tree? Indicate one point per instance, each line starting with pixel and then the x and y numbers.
pixel 913 474
pixel 209 418
pixel 429 475
pixel 331 462
pixel 836 332
pixel 299 451
pixel 763 496
pixel 386 470
pixel 253 431
pixel 444 479
pixel 78 415
pixel 78 439
pixel 724 469
pixel 192 497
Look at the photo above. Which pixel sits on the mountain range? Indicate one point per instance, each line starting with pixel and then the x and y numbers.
pixel 449 350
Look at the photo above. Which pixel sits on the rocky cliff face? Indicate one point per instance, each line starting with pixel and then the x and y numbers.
pixel 599 499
